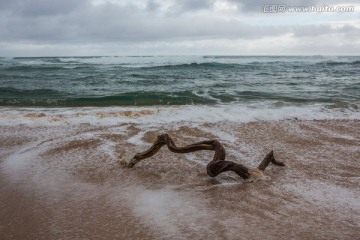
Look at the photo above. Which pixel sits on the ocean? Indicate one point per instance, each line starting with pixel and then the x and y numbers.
pixel 235 87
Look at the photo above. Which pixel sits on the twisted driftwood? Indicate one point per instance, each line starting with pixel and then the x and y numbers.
pixel 216 166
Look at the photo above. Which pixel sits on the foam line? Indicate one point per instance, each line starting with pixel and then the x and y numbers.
pixel 237 113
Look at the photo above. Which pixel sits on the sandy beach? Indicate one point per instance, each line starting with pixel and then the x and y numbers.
pixel 65 182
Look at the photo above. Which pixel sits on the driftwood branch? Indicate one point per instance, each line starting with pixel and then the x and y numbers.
pixel 218 163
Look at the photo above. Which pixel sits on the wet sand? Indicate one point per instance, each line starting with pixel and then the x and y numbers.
pixel 65 182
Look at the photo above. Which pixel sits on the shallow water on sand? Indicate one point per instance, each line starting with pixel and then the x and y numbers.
pixel 66 182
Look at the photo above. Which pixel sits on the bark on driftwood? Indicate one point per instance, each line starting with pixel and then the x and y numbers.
pixel 218 163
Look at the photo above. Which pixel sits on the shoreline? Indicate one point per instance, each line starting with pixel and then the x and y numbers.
pixel 65 181
pixel 162 115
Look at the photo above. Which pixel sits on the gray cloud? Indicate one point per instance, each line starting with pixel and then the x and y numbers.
pixel 179 7
pixel 37 8
pixel 72 23
pixel 191 5
pixel 255 5
pixel 323 30
pixel 110 22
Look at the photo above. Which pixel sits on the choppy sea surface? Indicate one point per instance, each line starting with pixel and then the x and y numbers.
pixel 222 87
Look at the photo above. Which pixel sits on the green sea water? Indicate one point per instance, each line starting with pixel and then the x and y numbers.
pixel 179 80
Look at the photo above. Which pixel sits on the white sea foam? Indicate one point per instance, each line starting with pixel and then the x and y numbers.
pixel 136 139
pixel 326 195
pixel 172 213
pixel 150 61
pixel 134 62
pixel 167 114
pixel 20 160
pixel 226 137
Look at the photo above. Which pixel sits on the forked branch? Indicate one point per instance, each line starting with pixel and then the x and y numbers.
pixel 215 167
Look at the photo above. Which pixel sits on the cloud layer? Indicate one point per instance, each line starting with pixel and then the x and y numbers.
pixel 122 27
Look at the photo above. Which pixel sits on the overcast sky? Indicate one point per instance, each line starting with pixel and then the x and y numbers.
pixel 175 27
